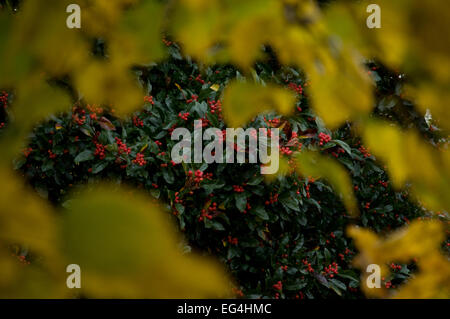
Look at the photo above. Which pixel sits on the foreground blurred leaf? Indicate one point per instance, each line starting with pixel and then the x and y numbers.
pixel 138 39
pixel 127 248
pixel 318 166
pixel 31 222
pixel 420 240
pixel 197 24
pixel 242 101
pixel 27 221
pixel 110 83
pixel 340 89
pixel 410 159
pixel 35 100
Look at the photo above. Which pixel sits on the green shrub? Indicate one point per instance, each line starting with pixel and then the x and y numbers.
pixel 284 238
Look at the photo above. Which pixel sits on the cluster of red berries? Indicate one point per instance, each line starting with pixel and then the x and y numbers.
pixel 308 265
pixel 274 122
pixel 204 214
pixel 22 259
pixel 122 147
pixel 183 116
pixel 51 154
pixel 384 184
pixel 340 150
pixel 307 187
pixel 199 79
pixel 138 122
pixel 331 269
pixel 2 124
pixel 285 150
pixel 297 88
pixel 367 206
pixel 237 292
pixel 247 208
pixel 212 207
pixel 4 99
pixel 119 161
pixel 278 286
pixel 26 152
pixel 94 109
pixel 198 176
pixel 284 268
pixel 139 160
pixel 215 106
pixel 178 199
pixel 80 120
pixel 324 138
pixel 238 189
pixel 168 43
pixel 99 150
pixel 149 99
pixel 396 267
pixel 272 199
pixel 233 240
pixel 192 99
pixel 364 151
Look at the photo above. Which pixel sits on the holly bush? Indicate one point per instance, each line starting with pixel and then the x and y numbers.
pixel 279 238
pixel 364 149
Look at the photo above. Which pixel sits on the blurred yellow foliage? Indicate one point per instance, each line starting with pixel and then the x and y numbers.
pixel 421 242
pixel 32 224
pixel 217 31
pixel 329 46
pixel 243 101
pixel 410 159
pixel 311 163
pixel 109 233
pixel 127 248
pixel 123 243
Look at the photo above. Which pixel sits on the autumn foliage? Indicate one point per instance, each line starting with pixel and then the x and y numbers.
pixel 88 178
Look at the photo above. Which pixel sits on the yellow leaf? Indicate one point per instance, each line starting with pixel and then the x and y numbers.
pixel 197 24
pixel 242 101
pixel 215 87
pixel 108 83
pixel 421 240
pixel 129 249
pixel 409 158
pixel 143 148
pixel 313 164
